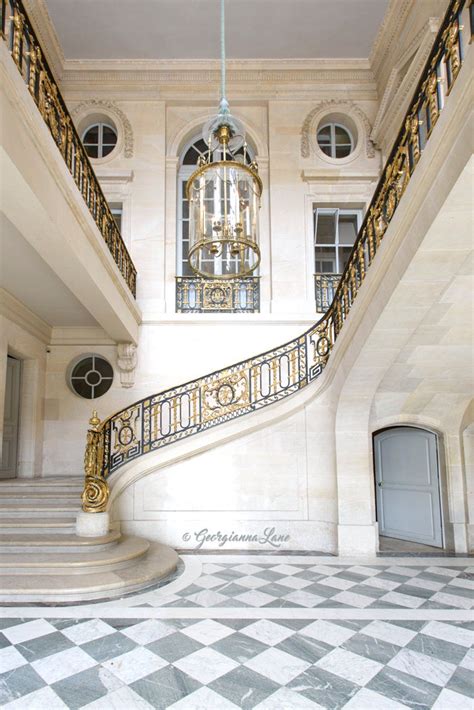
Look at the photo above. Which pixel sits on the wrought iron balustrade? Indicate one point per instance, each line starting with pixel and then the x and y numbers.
pixel 198 295
pixel 248 386
pixel 22 42
pixel 325 286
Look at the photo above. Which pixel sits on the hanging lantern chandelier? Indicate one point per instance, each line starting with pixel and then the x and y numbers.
pixel 224 196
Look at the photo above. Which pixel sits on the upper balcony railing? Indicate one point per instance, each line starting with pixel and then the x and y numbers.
pixel 28 56
pixel 197 295
pixel 185 410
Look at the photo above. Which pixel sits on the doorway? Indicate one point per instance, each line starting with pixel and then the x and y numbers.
pixel 11 421
pixel 408 486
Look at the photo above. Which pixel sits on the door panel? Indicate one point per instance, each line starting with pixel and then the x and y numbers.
pixel 407 478
pixel 8 468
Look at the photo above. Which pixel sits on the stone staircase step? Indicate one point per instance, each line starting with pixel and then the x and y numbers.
pixel 14 510
pixel 158 562
pixel 83 562
pixel 53 542
pixel 59 483
pixel 38 526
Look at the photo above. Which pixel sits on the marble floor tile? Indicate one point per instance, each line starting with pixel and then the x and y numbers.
pixel 437 648
pixel 27 631
pixel 304 647
pixel 148 631
pixel 462 583
pixel 287 569
pixel 277 665
pixel 211 568
pixel 252 582
pixel 267 632
pixel 248 569
pixel 206 665
pixel 461 682
pixel 294 582
pixel 326 570
pixel 304 598
pixel 329 633
pixel 85 687
pixel 135 664
pixel 175 646
pixel 239 647
pixel 209 581
pixel 351 666
pixel 88 631
pixel 324 688
pixel 108 647
pixel 366 699
pixel 37 700
pixel 123 699
pixel 17 682
pixel 427 668
pixel 207 631
pixel 389 632
pixel 63 664
pixel 44 646
pixel 10 658
pixel 371 647
pixel 365 571
pixel 244 687
pixel 337 583
pixel 454 600
pixel 359 601
pixel 254 598
pixel 404 688
pixel 468 660
pixel 447 632
pixel 204 699
pixel 404 600
pixel 286 699
pixel 450 700
pixel 165 687
pixel 443 571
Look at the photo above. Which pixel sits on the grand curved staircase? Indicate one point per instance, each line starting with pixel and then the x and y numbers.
pixel 42 559
pixel 38 546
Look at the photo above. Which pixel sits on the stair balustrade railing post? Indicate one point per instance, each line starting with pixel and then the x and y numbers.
pixel 93 518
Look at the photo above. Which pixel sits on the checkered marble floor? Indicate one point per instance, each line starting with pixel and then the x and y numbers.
pixel 271 633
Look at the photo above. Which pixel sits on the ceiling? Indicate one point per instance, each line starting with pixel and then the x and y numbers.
pixel 189 29
pixel 30 280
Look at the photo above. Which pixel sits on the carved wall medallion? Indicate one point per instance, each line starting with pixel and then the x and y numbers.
pixel 109 107
pixel 310 124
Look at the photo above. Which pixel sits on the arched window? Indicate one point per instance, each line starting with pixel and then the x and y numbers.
pixel 188 164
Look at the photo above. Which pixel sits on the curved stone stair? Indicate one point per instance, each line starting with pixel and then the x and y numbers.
pixel 42 560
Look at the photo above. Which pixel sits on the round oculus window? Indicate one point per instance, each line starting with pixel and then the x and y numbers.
pixel 91 377
pixel 335 140
pixel 99 140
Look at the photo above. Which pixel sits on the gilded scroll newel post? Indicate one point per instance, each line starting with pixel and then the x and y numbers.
pixel 95 495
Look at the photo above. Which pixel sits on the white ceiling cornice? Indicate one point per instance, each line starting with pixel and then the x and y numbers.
pixel 394 19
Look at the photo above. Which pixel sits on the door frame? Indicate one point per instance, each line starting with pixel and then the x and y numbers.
pixel 447 534
pixel 19 413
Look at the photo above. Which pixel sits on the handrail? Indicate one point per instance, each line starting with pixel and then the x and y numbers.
pixel 257 382
pixel 22 42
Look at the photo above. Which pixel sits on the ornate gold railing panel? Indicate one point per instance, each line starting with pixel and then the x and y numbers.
pixel 248 386
pixel 17 32
pixel 197 295
pixel 325 287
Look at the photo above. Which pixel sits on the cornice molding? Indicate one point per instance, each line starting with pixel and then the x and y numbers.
pixel 111 107
pixel 399 89
pixel 42 24
pixel 18 313
pixel 389 31
pixel 349 107
pixel 80 335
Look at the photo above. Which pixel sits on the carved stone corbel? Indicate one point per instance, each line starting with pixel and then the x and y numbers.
pixel 127 363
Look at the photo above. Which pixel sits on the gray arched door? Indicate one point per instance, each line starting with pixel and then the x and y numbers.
pixel 407 485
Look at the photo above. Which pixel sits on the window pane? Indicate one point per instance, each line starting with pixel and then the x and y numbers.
pixel 347 229
pixel 92 150
pixel 325 261
pixel 324 135
pixel 326 228
pixel 344 253
pixel 106 149
pixel 109 135
pixel 342 135
pixel 92 135
pixel 343 150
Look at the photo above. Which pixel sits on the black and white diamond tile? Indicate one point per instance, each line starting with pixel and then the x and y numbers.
pixel 236 663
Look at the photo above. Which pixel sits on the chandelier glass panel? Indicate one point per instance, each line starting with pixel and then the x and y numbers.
pixel 224 197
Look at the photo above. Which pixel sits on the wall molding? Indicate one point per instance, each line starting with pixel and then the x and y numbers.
pixel 109 107
pixel 309 126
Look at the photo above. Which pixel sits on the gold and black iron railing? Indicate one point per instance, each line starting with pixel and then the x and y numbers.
pixel 185 410
pixel 325 286
pixel 195 294
pixel 21 40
